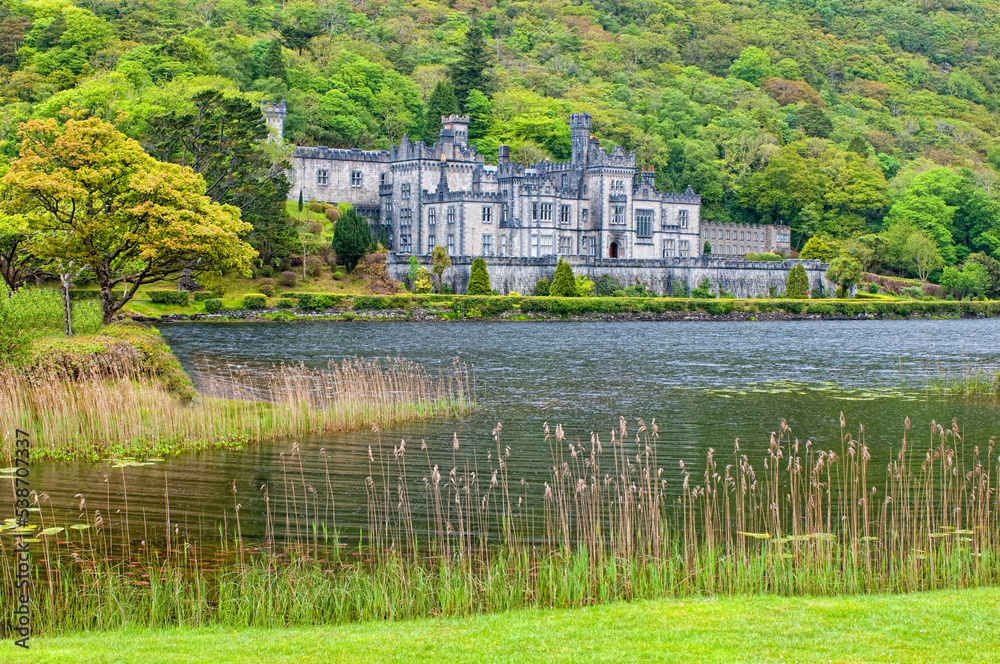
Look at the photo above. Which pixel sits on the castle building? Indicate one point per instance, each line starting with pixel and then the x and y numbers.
pixel 598 205
pixel 741 239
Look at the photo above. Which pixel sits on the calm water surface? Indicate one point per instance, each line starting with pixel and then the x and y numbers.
pixel 706 384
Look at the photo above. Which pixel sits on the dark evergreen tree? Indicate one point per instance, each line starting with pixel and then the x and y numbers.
pixel 273 64
pixel 542 287
pixel 469 72
pixel 223 138
pixel 479 279
pixel 351 239
pixel 563 283
pixel 797 286
pixel 442 102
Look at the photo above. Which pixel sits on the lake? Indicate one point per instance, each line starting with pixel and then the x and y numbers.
pixel 705 383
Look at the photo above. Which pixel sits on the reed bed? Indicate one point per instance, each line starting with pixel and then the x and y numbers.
pixel 116 409
pixel 610 523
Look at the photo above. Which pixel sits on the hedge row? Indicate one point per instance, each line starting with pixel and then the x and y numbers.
pixel 494 306
pixel 201 296
pixel 169 296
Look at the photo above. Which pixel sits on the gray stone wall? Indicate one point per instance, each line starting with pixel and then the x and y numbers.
pixel 742 279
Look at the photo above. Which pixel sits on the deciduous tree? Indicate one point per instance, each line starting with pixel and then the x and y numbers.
pixel 94 197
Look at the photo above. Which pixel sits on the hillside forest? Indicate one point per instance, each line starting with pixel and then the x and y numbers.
pixel 869 125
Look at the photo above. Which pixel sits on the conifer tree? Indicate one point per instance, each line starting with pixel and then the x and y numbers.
pixel 563 283
pixel 479 279
pixel 797 286
pixel 273 64
pixel 469 73
pixel 352 239
pixel 442 102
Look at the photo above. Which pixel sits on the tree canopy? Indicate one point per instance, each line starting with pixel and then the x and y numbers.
pixel 92 196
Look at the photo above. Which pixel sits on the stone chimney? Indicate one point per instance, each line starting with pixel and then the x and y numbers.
pixel 647 177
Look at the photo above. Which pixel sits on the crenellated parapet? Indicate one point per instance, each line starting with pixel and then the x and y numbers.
pixel 323 152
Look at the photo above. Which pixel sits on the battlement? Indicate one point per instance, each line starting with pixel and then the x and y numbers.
pixel 355 154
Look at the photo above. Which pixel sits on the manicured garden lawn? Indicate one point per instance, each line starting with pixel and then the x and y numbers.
pixel 945 626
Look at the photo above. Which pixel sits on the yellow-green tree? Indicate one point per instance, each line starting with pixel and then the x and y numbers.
pixel 97 199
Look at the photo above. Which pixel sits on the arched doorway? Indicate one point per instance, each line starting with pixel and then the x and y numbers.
pixel 614 250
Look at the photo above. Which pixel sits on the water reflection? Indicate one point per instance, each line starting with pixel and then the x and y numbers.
pixel 706 384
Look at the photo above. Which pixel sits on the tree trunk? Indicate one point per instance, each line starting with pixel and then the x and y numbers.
pixel 65 278
pixel 107 304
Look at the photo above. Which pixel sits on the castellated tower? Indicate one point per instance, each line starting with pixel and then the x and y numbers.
pixel 579 128
pixel 274 116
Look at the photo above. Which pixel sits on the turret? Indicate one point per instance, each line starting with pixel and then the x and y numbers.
pixel 455 129
pixel 579 129
pixel 274 117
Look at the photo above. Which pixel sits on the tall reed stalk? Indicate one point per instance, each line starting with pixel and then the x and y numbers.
pixel 607 525
pixel 117 410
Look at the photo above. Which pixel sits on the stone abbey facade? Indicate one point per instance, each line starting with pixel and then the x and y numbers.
pixel 741 239
pixel 598 211
pixel 597 205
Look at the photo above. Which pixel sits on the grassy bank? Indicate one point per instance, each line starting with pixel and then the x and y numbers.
pixel 122 393
pixel 611 523
pixel 507 307
pixel 945 626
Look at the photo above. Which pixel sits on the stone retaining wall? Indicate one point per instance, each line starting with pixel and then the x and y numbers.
pixel 741 278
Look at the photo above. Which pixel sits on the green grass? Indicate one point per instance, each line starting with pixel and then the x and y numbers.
pixel 943 626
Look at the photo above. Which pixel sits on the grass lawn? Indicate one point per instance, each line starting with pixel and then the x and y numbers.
pixel 944 626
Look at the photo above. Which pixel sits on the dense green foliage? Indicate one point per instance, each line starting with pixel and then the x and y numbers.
pixel 254 301
pixel 37 312
pixel 479 279
pixel 351 239
pixel 797 287
pixel 563 283
pixel 178 297
pixel 845 120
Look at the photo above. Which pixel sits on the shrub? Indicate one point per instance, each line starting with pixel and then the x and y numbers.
pixel 916 292
pixel 797 286
pixel 563 283
pixel 333 214
pixel 542 287
pixel 254 301
pixel 423 283
pixel 289 278
pixel 316 206
pixel 819 308
pixel 636 291
pixel 479 279
pixel 265 271
pixel 584 286
pixel 168 296
pixel 703 291
pixel 266 287
pixel 201 296
pixel 351 239
pixel 873 288
pixel 679 288
pixel 286 303
pixel 338 275
pixel 818 249
pixel 607 285
pixel 619 293
pixel 315 228
pixel 314 266
pixel 765 257
pixel 213 305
